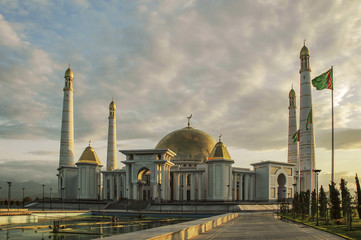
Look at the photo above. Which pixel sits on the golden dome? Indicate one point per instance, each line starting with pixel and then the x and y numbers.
pixel 112 105
pixel 69 73
pixel 304 51
pixel 188 143
pixel 292 94
pixel 219 152
pixel 89 156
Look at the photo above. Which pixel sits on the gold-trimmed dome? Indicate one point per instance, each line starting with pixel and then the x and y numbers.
pixel 188 143
pixel 112 105
pixel 304 51
pixel 219 152
pixel 89 156
pixel 69 73
pixel 292 94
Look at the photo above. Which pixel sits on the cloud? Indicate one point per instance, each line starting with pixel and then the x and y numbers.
pixel 345 139
pixel 230 63
pixel 9 37
pixel 21 171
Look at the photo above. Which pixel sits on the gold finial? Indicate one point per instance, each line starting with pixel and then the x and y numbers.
pixel 189 120
pixel 304 42
pixel 220 138
pixel 292 85
pixel 90 142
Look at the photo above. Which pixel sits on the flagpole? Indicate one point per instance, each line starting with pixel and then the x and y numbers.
pixel 333 142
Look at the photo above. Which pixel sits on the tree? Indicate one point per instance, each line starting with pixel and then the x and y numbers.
pixel 313 204
pixel 358 194
pixel 27 200
pixel 295 204
pixel 346 203
pixel 302 204
pixel 307 202
pixel 335 209
pixel 323 202
pixel 344 195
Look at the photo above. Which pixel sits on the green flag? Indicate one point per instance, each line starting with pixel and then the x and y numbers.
pixel 325 80
pixel 309 119
pixel 296 136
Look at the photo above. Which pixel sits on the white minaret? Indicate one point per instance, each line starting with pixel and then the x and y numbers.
pixel 112 139
pixel 67 187
pixel 307 139
pixel 292 129
pixel 67 124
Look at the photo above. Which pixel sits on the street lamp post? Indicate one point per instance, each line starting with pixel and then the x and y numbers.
pixel 9 195
pixel 317 171
pixel 43 195
pixel 50 196
pixel 23 196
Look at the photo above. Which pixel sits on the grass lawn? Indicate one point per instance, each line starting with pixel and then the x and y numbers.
pixel 339 228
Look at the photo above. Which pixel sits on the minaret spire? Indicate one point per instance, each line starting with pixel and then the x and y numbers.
pixel 67 180
pixel 112 138
pixel 307 136
pixel 292 129
pixel 67 125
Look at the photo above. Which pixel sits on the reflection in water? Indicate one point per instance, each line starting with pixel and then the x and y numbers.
pixel 79 228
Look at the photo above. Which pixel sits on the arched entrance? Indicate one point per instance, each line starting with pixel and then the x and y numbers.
pixel 144 188
pixel 281 191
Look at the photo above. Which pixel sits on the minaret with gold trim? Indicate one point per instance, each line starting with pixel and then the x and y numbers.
pixel 112 138
pixel 67 124
pixel 67 176
pixel 292 129
pixel 307 136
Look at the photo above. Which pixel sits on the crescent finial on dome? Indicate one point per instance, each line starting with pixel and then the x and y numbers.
pixel 189 120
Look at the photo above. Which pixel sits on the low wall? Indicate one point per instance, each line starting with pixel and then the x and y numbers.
pixel 185 230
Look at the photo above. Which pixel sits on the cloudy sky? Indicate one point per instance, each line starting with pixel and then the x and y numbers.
pixel 229 63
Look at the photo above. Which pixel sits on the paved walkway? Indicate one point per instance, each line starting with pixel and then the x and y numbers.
pixel 263 226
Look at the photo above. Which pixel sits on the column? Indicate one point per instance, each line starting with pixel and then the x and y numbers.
pixel 240 195
pixel 251 186
pixel 135 191
pixel 111 186
pixel 184 176
pixel 163 184
pixel 176 184
pixel 118 186
pixel 193 181
pixel 127 183
pixel 246 187
pixel 105 186
pixel 234 188
pixel 200 186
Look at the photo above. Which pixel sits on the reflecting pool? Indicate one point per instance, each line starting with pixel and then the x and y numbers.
pixel 85 226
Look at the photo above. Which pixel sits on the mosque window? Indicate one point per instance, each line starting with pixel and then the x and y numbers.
pixel 131 157
pixel 159 157
pixel 188 180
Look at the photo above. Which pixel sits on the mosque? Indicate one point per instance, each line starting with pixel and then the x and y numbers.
pixel 188 164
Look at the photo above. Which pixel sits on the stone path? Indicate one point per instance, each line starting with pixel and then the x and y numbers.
pixel 263 226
